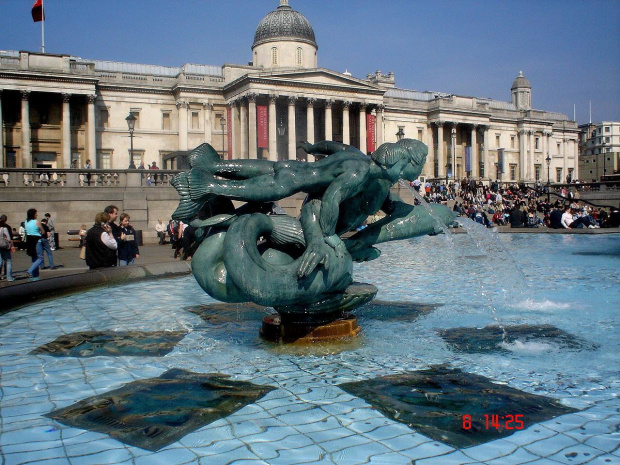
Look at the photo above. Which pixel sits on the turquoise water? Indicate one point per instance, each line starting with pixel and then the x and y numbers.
pixel 478 279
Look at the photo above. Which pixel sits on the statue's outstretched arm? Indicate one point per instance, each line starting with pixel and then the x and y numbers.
pixel 327 147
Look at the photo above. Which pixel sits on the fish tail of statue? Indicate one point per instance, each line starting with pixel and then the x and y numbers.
pixel 188 208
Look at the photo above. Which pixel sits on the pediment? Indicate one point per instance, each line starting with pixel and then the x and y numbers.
pixel 308 78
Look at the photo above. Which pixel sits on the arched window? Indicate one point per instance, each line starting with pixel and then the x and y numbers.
pixel 299 56
pixel 274 56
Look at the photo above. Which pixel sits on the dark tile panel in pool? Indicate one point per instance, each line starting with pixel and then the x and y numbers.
pixel 435 401
pixel 394 311
pixel 156 412
pixel 489 339
pixel 112 343
pixel 225 314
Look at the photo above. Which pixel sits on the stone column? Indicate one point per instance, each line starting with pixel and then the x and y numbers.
pixel 576 159
pixel 252 142
pixel 207 122
pixel 379 125
pixel 292 142
pixel 328 120
pixel 565 160
pixel 1 134
pixel 522 134
pixel 452 153
pixel 441 161
pixel 243 132
pixel 310 124
pixel 429 166
pixel 66 131
pixel 273 135
pixel 182 111
pixel 475 172
pixel 92 146
pixel 530 158
pixel 233 151
pixel 346 133
pixel 26 158
pixel 362 132
pixel 487 162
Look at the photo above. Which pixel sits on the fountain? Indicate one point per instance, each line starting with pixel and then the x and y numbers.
pixel 164 373
pixel 300 267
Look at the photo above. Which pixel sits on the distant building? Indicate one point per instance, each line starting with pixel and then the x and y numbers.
pixel 76 110
pixel 599 150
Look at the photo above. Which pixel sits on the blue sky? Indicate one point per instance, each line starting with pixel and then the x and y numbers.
pixel 568 49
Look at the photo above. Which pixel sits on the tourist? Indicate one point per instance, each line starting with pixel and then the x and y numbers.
pixel 141 167
pixel 179 241
pixel 517 217
pixel 132 165
pixel 45 243
pixel 6 247
pixel 88 165
pixel 160 227
pixel 154 167
pixel 100 243
pixel 50 224
pixel 172 230
pixel 567 218
pixel 112 211
pixel 34 247
pixel 128 245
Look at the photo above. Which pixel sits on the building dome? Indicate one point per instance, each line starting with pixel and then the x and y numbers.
pixel 520 82
pixel 284 24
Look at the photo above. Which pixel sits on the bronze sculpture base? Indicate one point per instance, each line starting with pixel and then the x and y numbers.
pixel 274 330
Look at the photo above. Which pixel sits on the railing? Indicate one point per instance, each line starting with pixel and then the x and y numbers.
pixel 54 178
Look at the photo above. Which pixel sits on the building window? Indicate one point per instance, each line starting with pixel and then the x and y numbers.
pixel 558 175
pixel 105 160
pixel 512 142
pixel 419 134
pixel 195 120
pixel 513 172
pixel 299 56
pixel 607 140
pixel 274 56
pixel 104 116
pixel 137 158
pixel 165 121
pixel 558 148
pixel 570 175
pixel 481 169
pixel 136 114
pixel 538 143
pixel 537 169
pixel 607 129
pixel 497 140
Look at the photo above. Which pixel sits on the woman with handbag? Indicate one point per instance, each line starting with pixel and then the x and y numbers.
pixel 6 247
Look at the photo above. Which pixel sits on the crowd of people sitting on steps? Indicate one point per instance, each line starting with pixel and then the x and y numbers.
pixel 518 205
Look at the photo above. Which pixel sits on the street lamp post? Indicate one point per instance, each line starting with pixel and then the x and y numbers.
pixel 222 124
pixel 548 160
pixel 400 134
pixel 131 124
pixel 604 161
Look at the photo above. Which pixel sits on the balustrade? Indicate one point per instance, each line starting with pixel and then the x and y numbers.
pixel 53 178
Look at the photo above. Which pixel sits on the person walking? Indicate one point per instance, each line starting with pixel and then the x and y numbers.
pixel 52 238
pixel 6 247
pixel 127 246
pixel 45 242
pixel 34 247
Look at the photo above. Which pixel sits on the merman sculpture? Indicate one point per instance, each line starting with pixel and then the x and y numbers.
pixel 301 266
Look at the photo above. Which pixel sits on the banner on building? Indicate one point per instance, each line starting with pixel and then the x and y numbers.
pixel 229 126
pixel 371 133
pixel 262 126
pixel 500 160
pixel 467 159
pixel 37 11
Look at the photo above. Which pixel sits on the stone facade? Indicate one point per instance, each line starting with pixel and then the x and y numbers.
pixel 599 150
pixel 76 110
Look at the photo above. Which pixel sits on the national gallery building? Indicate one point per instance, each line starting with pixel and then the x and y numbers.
pixel 59 111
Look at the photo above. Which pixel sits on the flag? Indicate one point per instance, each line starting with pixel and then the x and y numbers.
pixel 37 11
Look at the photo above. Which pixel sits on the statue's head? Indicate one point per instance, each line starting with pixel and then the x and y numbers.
pixel 405 158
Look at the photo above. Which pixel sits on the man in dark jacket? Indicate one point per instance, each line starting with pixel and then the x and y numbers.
pixel 100 243
pixel 517 218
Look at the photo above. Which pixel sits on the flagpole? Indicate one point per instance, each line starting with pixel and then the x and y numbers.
pixel 42 28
